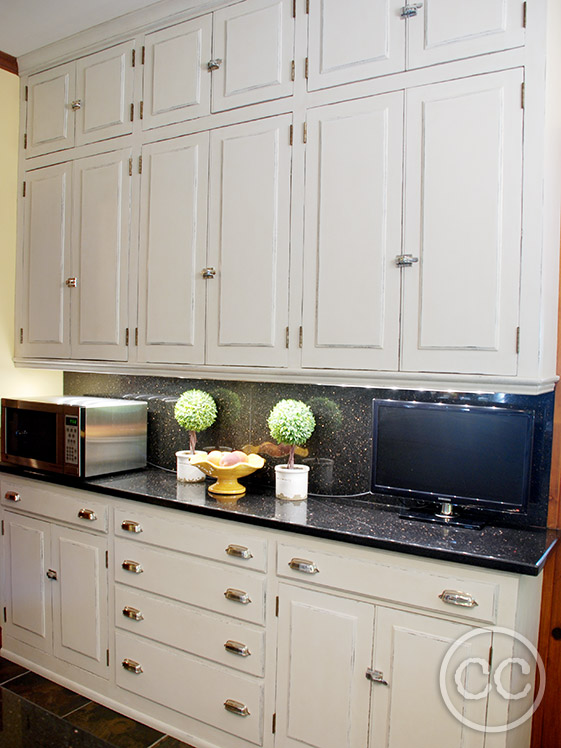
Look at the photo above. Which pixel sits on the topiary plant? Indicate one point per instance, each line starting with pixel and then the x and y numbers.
pixel 291 422
pixel 195 411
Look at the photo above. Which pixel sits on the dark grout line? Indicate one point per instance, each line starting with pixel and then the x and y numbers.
pixel 73 711
pixel 15 677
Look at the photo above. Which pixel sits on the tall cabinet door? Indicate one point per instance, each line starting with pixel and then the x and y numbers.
pixel 173 234
pixel 353 40
pixel 28 590
pixel 324 651
pixel 352 234
pixel 463 223
pixel 100 244
pixel 50 118
pixel 249 227
pixel 80 599
pixel 408 707
pixel 176 77
pixel 445 30
pixel 266 27
pixel 46 261
pixel 104 89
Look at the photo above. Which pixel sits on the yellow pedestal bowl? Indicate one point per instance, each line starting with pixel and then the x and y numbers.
pixel 227 486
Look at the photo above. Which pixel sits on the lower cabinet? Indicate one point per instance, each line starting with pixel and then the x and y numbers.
pixel 231 636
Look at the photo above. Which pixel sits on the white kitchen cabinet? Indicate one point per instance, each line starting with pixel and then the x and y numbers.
pixel 361 39
pixel 56 590
pixel 352 234
pixel 462 221
pixel 249 241
pixel 176 77
pixel 80 102
pixel 324 649
pixel 75 300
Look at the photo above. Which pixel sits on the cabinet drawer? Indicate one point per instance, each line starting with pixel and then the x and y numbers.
pixel 57 504
pixel 191 580
pixel 189 686
pixel 235 645
pixel 453 595
pixel 233 545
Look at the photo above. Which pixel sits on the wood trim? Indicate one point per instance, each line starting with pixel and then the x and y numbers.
pixel 9 63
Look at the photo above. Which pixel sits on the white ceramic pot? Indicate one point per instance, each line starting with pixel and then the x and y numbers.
pixel 187 473
pixel 291 484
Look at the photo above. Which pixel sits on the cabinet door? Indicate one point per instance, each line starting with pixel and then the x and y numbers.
pixel 173 250
pixel 80 599
pixel 353 40
pixel 28 590
pixel 46 260
pixel 352 234
pixel 50 119
pixel 408 707
pixel 176 77
pixel 324 650
pixel 463 222
pixel 249 224
pixel 100 244
pixel 446 30
pixel 104 88
pixel 266 27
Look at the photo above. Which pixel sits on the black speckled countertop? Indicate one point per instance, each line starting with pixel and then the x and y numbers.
pixel 362 521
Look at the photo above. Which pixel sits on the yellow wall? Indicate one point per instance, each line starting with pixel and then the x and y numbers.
pixel 13 381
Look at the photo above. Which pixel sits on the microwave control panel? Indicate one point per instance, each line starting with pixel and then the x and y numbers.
pixel 71 439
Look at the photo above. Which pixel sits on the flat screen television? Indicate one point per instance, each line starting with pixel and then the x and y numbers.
pixel 456 455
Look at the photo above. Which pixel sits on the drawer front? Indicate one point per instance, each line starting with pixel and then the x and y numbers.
pixel 229 643
pixel 81 510
pixel 217 587
pixel 233 545
pixel 452 595
pixel 199 690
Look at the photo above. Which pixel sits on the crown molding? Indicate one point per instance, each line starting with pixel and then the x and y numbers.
pixel 9 63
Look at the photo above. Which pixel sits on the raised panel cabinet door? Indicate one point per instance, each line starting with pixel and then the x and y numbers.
pixel 352 234
pixel 354 40
pixel 463 195
pixel 408 706
pixel 100 254
pixel 104 89
pixel 173 239
pixel 253 45
pixel 28 590
pixel 249 227
pixel 50 117
pixel 80 599
pixel 444 30
pixel 176 76
pixel 45 302
pixel 324 651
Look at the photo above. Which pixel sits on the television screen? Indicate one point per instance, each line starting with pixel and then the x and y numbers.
pixel 462 454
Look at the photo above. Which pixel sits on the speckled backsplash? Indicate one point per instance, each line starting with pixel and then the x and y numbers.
pixel 340 449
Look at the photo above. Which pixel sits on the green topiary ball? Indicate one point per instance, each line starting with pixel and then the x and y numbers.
pixel 291 422
pixel 195 410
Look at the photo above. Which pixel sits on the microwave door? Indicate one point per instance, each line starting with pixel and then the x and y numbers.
pixel 31 437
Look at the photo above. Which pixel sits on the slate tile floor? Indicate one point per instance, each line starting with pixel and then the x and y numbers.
pixel 37 713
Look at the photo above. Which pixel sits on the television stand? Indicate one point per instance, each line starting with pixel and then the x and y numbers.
pixel 445 516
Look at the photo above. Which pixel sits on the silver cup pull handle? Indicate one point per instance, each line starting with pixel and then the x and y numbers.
pixel 132 666
pixel 238 596
pixel 302 564
pixel 134 613
pixel 239 551
pixel 133 566
pixel 453 597
pixel 129 525
pixel 12 496
pixel 237 648
pixel 88 514
pixel 236 707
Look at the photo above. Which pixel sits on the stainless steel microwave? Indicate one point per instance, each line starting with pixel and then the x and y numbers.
pixel 78 436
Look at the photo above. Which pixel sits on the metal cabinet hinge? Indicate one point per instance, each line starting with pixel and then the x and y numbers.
pixel 107 657
pixel 293 8
pixel 143 55
pixel 5 615
pixel 133 56
pixel 490 655
pixel 300 336
pixel 307 6
pixel 292 70
pixel 130 166
pixel 2 527
pixel 291 136
pixel 136 335
pixel 523 95
pixel 305 133
pixel 277 606
pixel 517 340
pixel 306 68
pixel 141 112
pixel 25 137
pixel 106 559
pixel 140 164
pixel 132 111
pixel 24 189
pixel 524 14
pixel 126 336
pixel 286 338
pixel 27 91
pixel 21 334
pixel 274 723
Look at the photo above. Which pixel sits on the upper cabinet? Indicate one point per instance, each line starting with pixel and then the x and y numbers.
pixel 361 39
pixel 80 102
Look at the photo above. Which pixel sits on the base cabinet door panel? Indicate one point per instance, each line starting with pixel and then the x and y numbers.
pixel 408 707
pixel 462 223
pixel 324 650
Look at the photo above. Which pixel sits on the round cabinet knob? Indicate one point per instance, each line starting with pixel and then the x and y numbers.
pixel 77 104
pixel 208 273
pixel 72 282
pixel 214 64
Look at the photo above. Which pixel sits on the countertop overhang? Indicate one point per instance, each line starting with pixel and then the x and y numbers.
pixel 360 521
